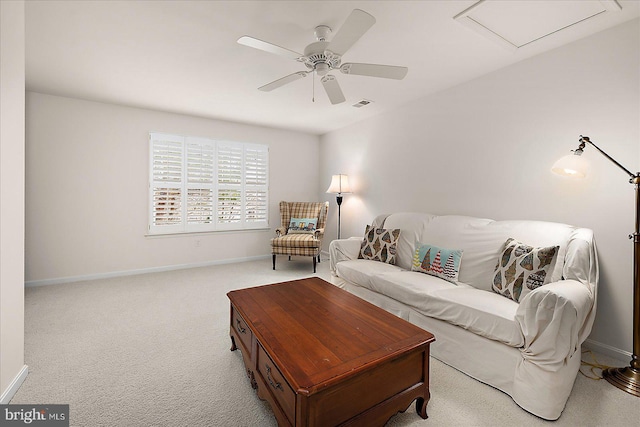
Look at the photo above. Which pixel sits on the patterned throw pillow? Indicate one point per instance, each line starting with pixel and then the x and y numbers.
pixel 302 225
pixel 379 244
pixel 439 262
pixel 522 268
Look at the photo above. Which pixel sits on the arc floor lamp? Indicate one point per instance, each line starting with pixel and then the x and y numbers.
pixel 339 186
pixel 628 378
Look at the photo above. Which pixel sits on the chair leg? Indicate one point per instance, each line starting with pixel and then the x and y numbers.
pixel 289 257
pixel 274 261
pixel 318 258
pixel 314 264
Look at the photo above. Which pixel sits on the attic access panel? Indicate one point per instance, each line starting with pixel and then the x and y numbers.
pixel 515 24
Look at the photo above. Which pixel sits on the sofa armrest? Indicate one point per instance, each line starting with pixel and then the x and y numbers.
pixel 553 321
pixel 281 231
pixel 343 250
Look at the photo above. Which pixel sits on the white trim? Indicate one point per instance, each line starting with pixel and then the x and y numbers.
pixel 71 279
pixel 611 5
pixel 607 350
pixel 468 21
pixel 196 233
pixel 11 391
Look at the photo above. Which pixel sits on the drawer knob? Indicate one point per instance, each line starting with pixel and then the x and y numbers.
pixel 274 384
pixel 239 327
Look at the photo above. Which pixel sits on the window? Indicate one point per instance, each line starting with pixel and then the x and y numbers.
pixel 198 184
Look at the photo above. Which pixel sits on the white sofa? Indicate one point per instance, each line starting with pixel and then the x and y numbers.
pixel 530 349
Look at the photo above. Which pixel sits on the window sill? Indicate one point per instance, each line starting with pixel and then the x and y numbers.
pixel 202 233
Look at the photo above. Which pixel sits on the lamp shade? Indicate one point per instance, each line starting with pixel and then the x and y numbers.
pixel 339 184
pixel 572 165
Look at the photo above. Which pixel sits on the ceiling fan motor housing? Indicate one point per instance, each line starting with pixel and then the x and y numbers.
pixel 317 58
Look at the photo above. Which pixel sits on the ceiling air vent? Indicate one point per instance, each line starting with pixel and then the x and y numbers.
pixel 362 103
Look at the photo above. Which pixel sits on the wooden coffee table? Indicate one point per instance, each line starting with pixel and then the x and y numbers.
pixel 323 357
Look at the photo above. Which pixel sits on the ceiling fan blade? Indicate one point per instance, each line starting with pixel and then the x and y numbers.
pixel 357 23
pixel 283 81
pixel 374 70
pixel 333 90
pixel 268 47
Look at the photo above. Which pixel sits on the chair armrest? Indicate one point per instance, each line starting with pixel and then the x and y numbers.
pixel 343 250
pixel 281 231
pixel 552 319
pixel 319 233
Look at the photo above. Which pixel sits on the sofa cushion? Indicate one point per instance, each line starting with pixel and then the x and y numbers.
pixel 522 268
pixel 440 262
pixel 362 271
pixel 539 234
pixel 474 238
pixel 407 286
pixel 412 226
pixel 483 239
pixel 379 244
pixel 482 312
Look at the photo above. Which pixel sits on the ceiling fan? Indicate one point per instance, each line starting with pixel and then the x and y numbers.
pixel 323 56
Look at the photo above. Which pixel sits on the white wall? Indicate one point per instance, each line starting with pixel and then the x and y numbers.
pixel 485 149
pixel 87 194
pixel 12 99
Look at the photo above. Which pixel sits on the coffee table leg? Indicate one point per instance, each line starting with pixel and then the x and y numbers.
pixel 421 407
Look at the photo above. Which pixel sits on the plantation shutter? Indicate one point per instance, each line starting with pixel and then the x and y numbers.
pixel 166 183
pixel 199 185
pixel 256 185
pixel 230 171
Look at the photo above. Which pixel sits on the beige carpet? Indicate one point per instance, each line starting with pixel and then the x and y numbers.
pixel 153 350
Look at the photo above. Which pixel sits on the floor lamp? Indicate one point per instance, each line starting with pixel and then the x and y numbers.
pixel 339 186
pixel 628 378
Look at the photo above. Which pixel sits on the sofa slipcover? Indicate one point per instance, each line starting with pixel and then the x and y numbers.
pixel 529 349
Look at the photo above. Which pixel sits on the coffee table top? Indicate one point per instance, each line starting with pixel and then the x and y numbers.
pixel 316 333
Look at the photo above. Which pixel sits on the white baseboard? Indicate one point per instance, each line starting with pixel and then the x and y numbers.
pixel 60 280
pixel 607 350
pixel 8 394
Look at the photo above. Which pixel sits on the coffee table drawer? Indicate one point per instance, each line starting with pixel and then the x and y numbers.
pixel 278 386
pixel 242 330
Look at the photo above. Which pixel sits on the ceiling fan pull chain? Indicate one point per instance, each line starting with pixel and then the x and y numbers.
pixel 313 86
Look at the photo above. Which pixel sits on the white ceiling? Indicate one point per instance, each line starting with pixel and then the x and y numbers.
pixel 182 56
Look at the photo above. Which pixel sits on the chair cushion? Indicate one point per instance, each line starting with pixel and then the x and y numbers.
pixel 289 210
pixel 302 225
pixel 296 241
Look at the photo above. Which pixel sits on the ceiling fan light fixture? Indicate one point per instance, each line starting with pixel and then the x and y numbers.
pixel 322 69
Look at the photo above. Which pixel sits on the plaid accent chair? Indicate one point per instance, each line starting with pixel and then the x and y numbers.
pixel 303 244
